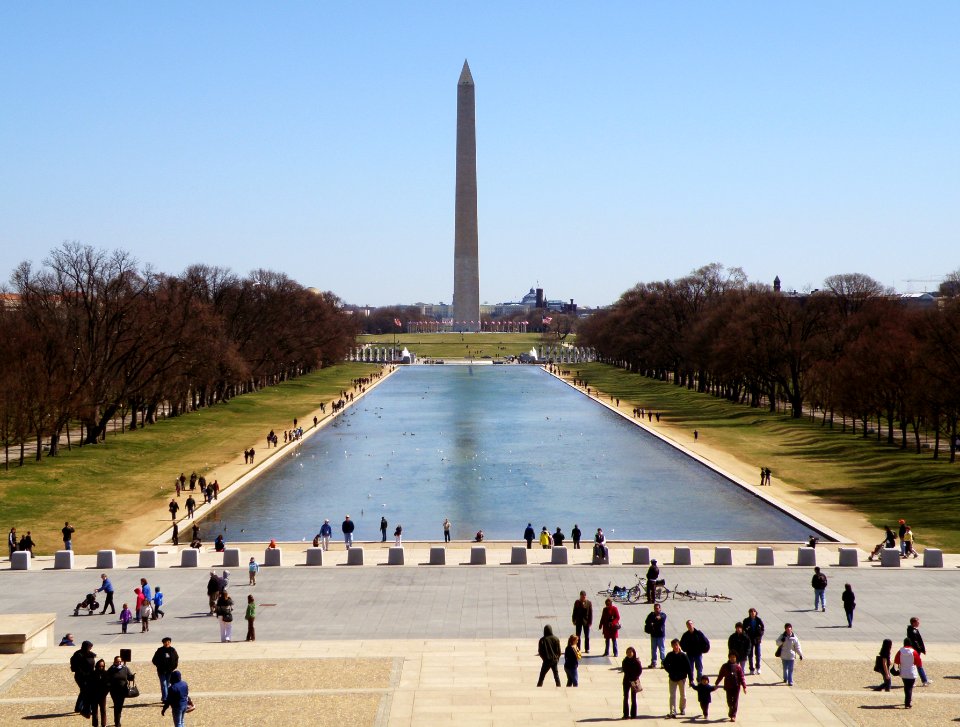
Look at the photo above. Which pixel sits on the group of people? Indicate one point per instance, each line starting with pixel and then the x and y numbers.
pixel 24 542
pixel 548 539
pixel 889 541
pixel 221 603
pixel 907 663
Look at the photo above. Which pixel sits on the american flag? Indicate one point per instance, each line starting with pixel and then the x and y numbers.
pixel 547 320
pixel 397 323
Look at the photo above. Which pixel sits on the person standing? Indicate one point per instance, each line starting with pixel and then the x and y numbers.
pixel 558 538
pixel 126 616
pixel 731 674
pixel 575 534
pixel 571 661
pixel 175 535
pixel 146 613
pixel 383 530
pixel 12 542
pixel 849 603
pixel 549 650
pixel 694 643
pixel 446 530
pixel 656 626
pixel 544 538
pixel 398 536
pixel 326 531
pixel 653 574
pixel 251 616
pixel 610 626
pixel 225 615
pixel 178 699
pixel 903 543
pixel 583 619
pixel 910 663
pixel 166 660
pixel 213 591
pixel 632 669
pixel 739 643
pixel 882 665
pixel 754 628
pixel 788 649
pixel 819 584
pixel 107 587
pixel 82 662
pixel 119 677
pixel 677 666
pixel 529 535
pixel 347 528
pixel 916 641
pixel 68 532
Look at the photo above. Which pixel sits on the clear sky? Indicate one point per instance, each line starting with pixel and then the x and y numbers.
pixel 617 142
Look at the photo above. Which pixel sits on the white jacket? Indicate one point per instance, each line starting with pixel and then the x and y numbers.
pixel 791 647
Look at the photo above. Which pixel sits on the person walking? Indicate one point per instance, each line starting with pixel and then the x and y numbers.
pixel 173 507
pixel 916 641
pixel 82 663
pixel 656 626
pixel 213 591
pixel 252 569
pixel 571 661
pixel 610 626
pixel 98 689
pixel 158 604
pixel 849 603
pixel 119 677
pixel 819 584
pixel 166 660
pixel 731 674
pixel 383 530
pixel 754 628
pixel 903 543
pixel 583 619
pixel 882 666
pixel 910 663
pixel 126 616
pixel 225 615
pixel 178 699
pixel 632 669
pixel 398 536
pixel 705 692
pixel 575 535
pixel 251 616
pixel 146 613
pixel 68 532
pixel 788 649
pixel 107 587
pixel 191 506
pixel 549 650
pixel 529 534
pixel 446 530
pixel 12 542
pixel 694 643
pixel 739 643
pixel 326 531
pixel 347 528
pixel 677 666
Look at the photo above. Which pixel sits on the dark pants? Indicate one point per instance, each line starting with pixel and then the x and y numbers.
pixel 733 700
pixel 251 632
pixel 383 534
pixel 908 691
pixel 108 601
pixel 576 543
pixel 629 694
pixel 585 639
pixel 82 694
pixel 98 707
pixel 547 666
pixel 446 536
pixel 118 698
pixel 529 544
pixel 573 679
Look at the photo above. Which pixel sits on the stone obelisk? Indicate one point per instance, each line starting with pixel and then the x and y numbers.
pixel 466 267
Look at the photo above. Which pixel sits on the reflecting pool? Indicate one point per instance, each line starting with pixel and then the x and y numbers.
pixel 492 448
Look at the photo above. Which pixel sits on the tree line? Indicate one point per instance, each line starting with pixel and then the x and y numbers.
pixel 92 335
pixel 852 350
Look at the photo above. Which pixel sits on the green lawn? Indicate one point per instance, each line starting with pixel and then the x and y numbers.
pixel 464 345
pixel 97 487
pixel 883 483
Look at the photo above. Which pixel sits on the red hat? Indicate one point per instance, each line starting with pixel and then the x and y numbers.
pixel 902 522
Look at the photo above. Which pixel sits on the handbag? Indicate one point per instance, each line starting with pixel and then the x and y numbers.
pixel 132 690
pixel 190 705
pixel 878 665
pixel 895 670
pixel 779 651
pixel 636 686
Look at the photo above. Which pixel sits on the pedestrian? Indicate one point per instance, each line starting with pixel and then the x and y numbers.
pixel 252 569
pixel 253 454
pixel 903 543
pixel 694 643
pixel 157 604
pixel 446 530
pixel 583 619
pixel 383 530
pixel 739 643
pixel 849 603
pixel 731 674
pixel 173 507
pixel 558 538
pixel 146 612
pixel 916 641
pixel 138 603
pixel 705 690
pixel 910 664
pixel 788 649
pixel 677 666
pixel 653 575
pixel 610 626
pixel 27 543
pixel 575 534
pixel 126 616
pixel 119 677
pixel 246 456
pixel 754 628
pixel 147 591
pixel 549 650
pixel 82 663
pixel 819 584
pixel 98 689
pixel 398 536
pixel 175 537
pixel 632 669
pixel 12 542
pixel 107 587
pixel 165 659
pixel 882 666
pixel 545 539
pixel 225 615
pixel 696 435
pixel 178 699
pixel 656 626
pixel 191 506
pixel 908 543
pixel 571 661
pixel 529 535
pixel 347 528
pixel 250 616
pixel 326 530
pixel 68 532
pixel 213 591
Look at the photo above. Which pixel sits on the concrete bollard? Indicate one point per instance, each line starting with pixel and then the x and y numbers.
pixel 807 556
pixel 478 555
pixel 848 558
pixel 63 560
pixel 106 559
pixel 20 560
pixel 438 555
pixel 355 556
pixel 765 555
pixel 148 558
pixel 558 556
pixel 518 555
pixel 641 555
pixel 722 555
pixel 890 558
pixel 273 557
pixel 932 558
pixel 681 555
pixel 314 556
pixel 189 558
pixel 231 557
pixel 395 556
pixel 601 560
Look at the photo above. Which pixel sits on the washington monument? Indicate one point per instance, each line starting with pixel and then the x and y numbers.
pixel 466 268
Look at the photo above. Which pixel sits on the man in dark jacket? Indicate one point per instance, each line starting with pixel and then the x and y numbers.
pixel 529 534
pixel 739 644
pixel 754 628
pixel 166 660
pixel 178 698
pixel 82 662
pixel 916 641
pixel 549 650
pixel 678 670
pixel 347 529
pixel 653 574
pixel 694 644
pixel 819 583
pixel 656 626
pixel 583 620
pixel 575 534
pixel 213 591
pixel 558 538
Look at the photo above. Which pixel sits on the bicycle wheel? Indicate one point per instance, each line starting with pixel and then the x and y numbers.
pixel 660 594
pixel 635 594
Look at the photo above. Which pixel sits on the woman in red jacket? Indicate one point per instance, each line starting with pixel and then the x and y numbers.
pixel 610 626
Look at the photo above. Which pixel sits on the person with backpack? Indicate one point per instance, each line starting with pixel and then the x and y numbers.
pixel 819 584
pixel 694 644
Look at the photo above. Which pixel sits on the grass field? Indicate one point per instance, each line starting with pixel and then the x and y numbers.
pixel 883 483
pixel 464 345
pixel 99 487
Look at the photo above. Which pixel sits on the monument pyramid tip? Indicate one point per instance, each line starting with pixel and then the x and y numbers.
pixel 465 76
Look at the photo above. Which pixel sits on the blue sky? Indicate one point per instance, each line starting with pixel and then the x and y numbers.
pixel 617 142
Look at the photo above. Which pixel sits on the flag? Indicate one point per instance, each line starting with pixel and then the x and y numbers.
pixel 397 323
pixel 547 320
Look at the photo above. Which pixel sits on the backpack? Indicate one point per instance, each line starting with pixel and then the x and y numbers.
pixel 704 643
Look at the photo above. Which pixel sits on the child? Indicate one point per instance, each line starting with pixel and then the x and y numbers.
pixel 251 616
pixel 157 603
pixel 125 617
pixel 704 690
pixel 146 611
pixel 571 660
pixel 254 569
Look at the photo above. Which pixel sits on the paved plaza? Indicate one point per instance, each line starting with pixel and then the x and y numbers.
pixel 456 644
